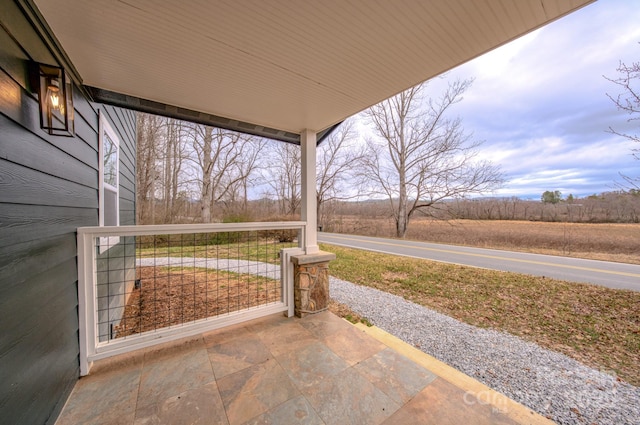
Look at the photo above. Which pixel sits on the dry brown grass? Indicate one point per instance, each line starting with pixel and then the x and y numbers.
pixel 595 325
pixel 606 241
pixel 169 297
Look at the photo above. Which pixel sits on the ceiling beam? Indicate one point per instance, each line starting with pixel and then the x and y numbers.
pixel 151 107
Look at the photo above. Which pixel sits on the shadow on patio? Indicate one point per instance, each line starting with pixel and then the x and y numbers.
pixel 316 370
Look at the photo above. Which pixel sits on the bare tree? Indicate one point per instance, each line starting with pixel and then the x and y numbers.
pixel 335 159
pixel 202 146
pixel 224 160
pixel 160 155
pixel 629 102
pixel 284 174
pixel 421 156
pixel 246 172
pixel 149 127
pixel 174 154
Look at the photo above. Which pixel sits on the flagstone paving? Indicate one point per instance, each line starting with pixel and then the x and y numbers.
pixel 275 370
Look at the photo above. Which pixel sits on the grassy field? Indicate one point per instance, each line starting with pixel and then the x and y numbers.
pixel 595 325
pixel 607 241
pixel 267 251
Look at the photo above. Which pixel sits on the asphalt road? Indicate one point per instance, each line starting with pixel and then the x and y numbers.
pixel 612 275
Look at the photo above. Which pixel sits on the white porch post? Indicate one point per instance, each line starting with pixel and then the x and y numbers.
pixel 308 191
pixel 311 269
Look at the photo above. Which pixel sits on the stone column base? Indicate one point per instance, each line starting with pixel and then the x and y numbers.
pixel 311 282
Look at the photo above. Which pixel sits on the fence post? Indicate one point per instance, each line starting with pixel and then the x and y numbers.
pixel 287 275
pixel 86 299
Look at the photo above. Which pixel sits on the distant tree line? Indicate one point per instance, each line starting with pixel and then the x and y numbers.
pixel 609 207
pixel 191 173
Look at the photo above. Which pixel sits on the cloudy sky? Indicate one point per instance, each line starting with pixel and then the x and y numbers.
pixel 540 103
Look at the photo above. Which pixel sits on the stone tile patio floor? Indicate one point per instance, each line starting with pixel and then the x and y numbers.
pixel 316 370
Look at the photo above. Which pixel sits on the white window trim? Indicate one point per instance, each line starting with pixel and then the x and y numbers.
pixel 105 128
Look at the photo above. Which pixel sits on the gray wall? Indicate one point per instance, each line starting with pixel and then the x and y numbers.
pixel 48 188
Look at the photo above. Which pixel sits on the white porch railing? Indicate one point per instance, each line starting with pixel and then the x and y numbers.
pixel 143 285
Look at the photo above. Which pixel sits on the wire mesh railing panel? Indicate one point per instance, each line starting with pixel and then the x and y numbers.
pixel 149 282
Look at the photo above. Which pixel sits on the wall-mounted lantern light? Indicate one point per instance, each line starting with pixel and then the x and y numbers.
pixel 54 97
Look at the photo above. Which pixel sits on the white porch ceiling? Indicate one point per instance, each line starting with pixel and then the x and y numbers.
pixel 285 64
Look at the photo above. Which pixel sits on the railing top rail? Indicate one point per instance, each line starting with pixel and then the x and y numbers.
pixel 188 228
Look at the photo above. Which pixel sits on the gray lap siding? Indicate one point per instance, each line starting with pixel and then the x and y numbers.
pixel 48 188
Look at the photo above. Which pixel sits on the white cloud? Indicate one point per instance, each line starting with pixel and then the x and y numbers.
pixel 540 102
pixel 497 62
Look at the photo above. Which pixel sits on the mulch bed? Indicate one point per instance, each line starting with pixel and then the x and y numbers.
pixel 169 297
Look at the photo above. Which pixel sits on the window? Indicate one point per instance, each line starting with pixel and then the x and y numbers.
pixel 109 205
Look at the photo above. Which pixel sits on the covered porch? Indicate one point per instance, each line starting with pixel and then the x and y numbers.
pixel 290 71
pixel 317 370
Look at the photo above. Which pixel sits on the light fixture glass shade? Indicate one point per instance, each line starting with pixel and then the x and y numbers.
pixel 55 99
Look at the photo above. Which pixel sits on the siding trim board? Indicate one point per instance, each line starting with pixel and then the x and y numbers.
pixel 48 188
pixel 157 108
